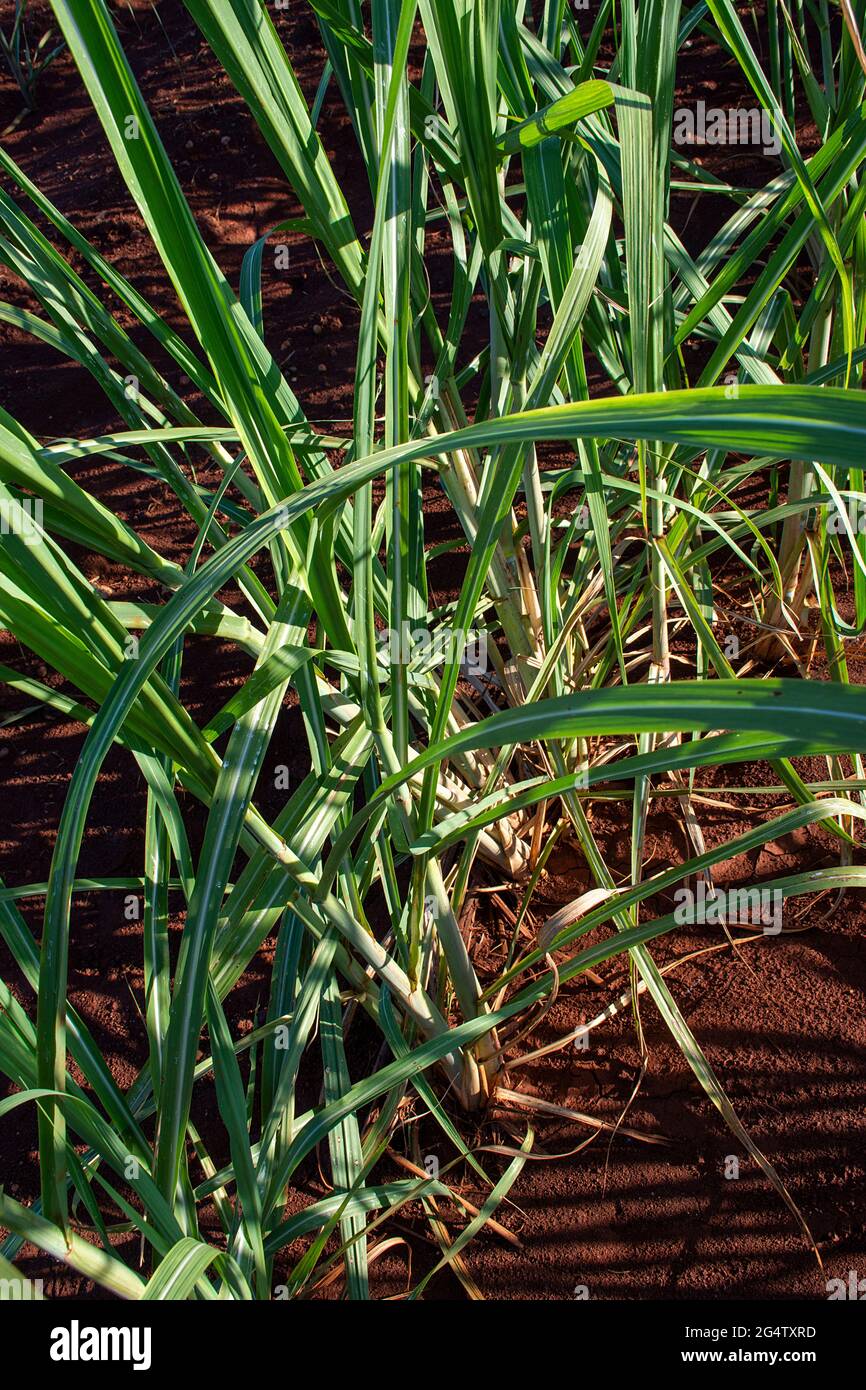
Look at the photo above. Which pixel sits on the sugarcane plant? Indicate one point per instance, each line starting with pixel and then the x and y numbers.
pixel 25 55
pixel 550 171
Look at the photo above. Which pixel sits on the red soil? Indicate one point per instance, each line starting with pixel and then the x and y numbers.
pixel 782 1022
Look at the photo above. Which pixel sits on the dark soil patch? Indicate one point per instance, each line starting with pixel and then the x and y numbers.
pixel 782 1021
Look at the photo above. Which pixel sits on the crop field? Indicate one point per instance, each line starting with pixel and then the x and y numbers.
pixel 432 648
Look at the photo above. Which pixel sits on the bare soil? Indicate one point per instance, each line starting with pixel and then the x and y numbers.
pixel 781 1020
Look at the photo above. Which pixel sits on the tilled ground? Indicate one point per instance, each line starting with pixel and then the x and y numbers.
pixel 781 1020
